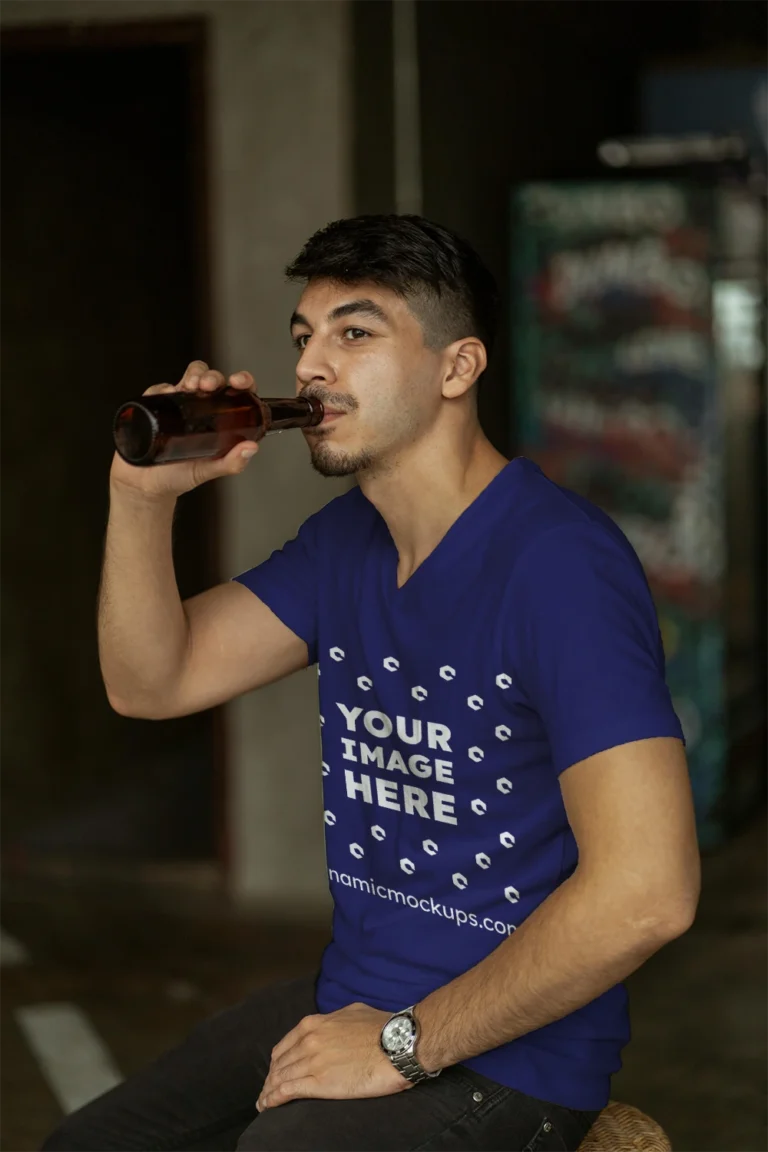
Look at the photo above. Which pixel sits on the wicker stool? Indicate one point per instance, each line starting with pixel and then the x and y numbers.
pixel 622 1128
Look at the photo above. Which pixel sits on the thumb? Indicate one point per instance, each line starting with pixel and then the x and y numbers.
pixel 236 460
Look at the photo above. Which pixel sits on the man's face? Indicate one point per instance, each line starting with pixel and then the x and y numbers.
pixel 362 353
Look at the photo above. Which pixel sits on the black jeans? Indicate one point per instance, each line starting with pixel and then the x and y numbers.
pixel 202 1096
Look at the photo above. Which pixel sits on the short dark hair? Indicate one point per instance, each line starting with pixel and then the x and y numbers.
pixel 439 275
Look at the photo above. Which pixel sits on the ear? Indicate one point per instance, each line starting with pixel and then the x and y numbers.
pixel 467 360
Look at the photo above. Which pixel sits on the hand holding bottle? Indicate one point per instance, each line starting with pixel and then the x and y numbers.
pixel 174 479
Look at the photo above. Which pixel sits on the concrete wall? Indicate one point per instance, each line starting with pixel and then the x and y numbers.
pixel 280 167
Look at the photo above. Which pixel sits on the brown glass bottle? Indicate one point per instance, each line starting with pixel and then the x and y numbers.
pixel 174 426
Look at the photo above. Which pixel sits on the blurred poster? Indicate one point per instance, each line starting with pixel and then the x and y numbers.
pixel 617 399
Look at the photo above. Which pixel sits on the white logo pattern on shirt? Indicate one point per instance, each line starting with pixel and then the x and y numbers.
pixel 478 806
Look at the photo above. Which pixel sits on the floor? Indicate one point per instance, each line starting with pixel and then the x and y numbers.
pixel 143 969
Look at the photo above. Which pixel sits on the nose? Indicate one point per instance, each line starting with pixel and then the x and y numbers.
pixel 314 367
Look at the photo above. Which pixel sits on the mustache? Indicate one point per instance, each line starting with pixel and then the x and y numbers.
pixel 340 403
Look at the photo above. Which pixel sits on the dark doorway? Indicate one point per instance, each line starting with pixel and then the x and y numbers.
pixel 103 293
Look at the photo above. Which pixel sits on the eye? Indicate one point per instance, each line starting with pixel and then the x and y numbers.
pixel 354 334
pixel 299 342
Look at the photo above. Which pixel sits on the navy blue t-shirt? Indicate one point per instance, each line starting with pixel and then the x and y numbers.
pixel 525 642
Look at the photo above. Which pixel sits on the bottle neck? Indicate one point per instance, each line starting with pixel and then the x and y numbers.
pixel 301 412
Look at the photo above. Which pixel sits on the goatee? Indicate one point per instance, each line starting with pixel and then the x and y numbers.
pixel 329 463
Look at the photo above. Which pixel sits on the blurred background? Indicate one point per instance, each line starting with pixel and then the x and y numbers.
pixel 162 161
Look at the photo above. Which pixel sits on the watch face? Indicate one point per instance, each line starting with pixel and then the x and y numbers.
pixel 398 1033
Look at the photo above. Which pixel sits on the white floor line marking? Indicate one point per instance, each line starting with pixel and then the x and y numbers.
pixel 12 951
pixel 72 1057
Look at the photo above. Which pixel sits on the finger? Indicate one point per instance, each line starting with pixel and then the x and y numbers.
pixel 302 1028
pixel 282 1067
pixel 243 380
pixel 234 462
pixel 156 389
pixel 194 371
pixel 306 1046
pixel 303 1088
pixel 211 380
pixel 284 1048
pixel 296 1065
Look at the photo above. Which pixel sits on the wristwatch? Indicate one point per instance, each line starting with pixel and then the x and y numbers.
pixel 398 1039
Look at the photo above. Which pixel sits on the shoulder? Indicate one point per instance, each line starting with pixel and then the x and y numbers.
pixel 347 519
pixel 295 568
pixel 552 527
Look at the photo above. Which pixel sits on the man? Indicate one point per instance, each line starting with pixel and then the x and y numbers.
pixel 508 816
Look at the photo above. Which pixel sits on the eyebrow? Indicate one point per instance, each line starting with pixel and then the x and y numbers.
pixel 363 307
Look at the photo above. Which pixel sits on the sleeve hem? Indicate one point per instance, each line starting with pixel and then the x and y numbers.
pixel 284 608
pixel 583 747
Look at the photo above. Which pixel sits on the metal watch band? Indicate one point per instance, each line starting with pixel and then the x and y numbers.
pixel 409 1067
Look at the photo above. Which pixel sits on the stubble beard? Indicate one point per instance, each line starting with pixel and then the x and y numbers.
pixel 330 462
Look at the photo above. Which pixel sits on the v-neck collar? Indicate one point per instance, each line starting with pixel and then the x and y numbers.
pixel 461 536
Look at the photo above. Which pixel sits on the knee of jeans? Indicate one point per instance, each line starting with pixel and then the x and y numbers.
pixel 72 1136
pixel 247 1139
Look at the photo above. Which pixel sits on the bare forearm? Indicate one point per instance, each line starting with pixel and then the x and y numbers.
pixel 570 950
pixel 141 622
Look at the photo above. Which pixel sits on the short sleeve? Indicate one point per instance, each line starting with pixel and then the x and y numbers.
pixel 584 644
pixel 287 583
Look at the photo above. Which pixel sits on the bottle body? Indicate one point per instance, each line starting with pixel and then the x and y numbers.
pixel 173 426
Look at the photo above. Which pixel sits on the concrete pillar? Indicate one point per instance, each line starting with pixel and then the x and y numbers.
pixel 282 158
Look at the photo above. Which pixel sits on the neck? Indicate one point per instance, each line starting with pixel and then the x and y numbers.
pixel 422 493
